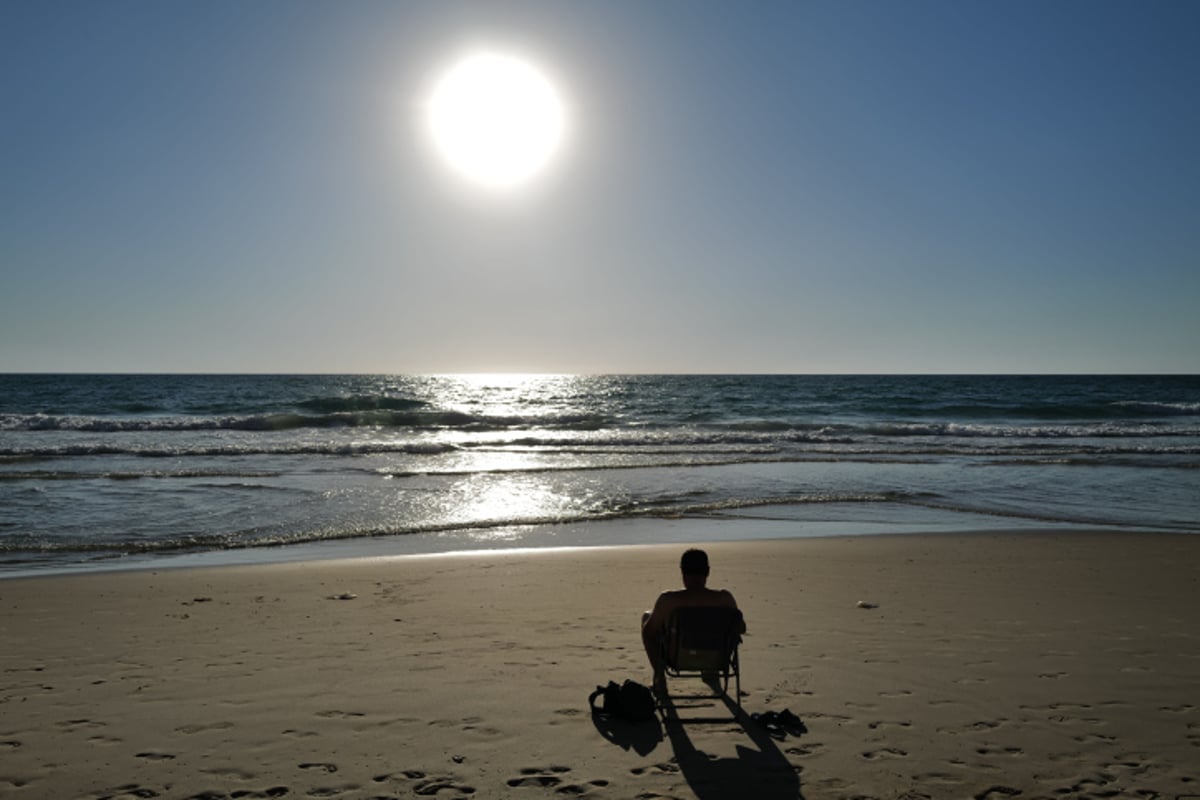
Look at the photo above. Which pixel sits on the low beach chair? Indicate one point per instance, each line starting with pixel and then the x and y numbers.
pixel 702 642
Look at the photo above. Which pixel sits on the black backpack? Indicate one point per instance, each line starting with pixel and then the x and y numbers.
pixel 629 701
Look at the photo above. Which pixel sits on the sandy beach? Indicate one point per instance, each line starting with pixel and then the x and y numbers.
pixel 992 666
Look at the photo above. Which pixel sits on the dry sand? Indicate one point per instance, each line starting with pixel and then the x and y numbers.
pixel 1030 665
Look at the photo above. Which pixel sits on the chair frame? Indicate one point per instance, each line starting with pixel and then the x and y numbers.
pixel 675 653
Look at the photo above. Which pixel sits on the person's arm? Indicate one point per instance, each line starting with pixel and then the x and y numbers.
pixel 657 620
pixel 733 603
pixel 652 628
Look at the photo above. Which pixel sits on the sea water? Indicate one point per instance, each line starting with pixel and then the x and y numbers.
pixel 101 471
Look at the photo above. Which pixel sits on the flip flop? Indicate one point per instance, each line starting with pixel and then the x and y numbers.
pixel 794 724
pixel 770 723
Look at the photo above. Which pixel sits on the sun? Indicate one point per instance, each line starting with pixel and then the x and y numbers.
pixel 496 119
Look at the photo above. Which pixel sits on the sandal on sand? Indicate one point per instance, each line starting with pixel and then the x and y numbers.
pixel 792 723
pixel 780 724
pixel 770 722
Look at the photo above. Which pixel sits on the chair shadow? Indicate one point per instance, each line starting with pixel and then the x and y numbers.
pixel 763 773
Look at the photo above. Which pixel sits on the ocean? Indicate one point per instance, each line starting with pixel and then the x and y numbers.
pixel 113 471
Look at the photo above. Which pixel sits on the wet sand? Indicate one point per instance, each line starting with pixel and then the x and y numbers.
pixel 992 665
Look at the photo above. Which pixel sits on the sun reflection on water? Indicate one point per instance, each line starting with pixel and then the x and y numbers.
pixel 508 395
pixel 494 501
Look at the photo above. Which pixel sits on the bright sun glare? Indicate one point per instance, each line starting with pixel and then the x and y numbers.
pixel 496 119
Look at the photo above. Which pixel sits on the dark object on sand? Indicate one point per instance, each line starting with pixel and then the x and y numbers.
pixel 630 701
pixel 780 723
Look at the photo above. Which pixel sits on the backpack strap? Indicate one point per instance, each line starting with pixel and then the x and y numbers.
pixel 612 699
pixel 592 699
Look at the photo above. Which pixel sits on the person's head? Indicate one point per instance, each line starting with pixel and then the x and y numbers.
pixel 694 566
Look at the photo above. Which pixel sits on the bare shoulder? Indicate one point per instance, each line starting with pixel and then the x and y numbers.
pixel 727 597
pixel 671 597
pixel 665 600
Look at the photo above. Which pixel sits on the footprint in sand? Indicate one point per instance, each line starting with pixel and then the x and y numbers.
pixel 807 750
pixel 1065 720
pixel 981 725
pixel 883 723
pixel 215 726
pixel 885 752
pixel 1089 787
pixel 1130 764
pixel 128 792
pixel 229 773
pixel 577 789
pixel 997 791
pixel 79 724
pixel 105 740
pixel 411 774
pixel 664 767
pixel 1095 737
pixel 330 791
pixel 999 751
pixel 432 786
pixel 539 776
pixel 944 778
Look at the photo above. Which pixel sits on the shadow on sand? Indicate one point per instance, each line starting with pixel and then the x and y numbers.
pixel 640 737
pixel 761 771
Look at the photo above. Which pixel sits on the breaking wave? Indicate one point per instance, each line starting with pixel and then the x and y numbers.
pixel 669 507
pixel 287 421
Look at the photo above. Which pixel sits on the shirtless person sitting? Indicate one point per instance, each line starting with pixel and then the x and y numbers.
pixel 694 566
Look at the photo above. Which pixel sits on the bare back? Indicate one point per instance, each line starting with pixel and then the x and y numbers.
pixel 679 598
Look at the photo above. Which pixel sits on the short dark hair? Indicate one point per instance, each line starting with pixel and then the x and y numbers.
pixel 694 562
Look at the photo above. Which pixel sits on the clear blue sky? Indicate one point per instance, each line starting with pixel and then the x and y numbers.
pixel 747 187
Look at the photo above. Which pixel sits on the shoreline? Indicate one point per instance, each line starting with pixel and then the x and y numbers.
pixel 764 522
pixel 1041 664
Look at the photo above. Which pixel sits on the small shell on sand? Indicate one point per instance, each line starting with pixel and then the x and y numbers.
pixel 865 604
pixel 343 596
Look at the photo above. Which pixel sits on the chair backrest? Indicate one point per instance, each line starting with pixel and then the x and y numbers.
pixel 703 638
